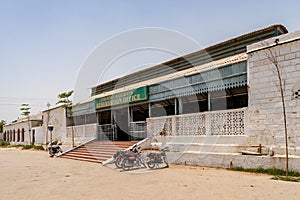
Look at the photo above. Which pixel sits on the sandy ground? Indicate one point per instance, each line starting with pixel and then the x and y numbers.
pixel 27 174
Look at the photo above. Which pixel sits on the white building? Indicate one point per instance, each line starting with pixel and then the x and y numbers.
pixel 215 105
pixel 26 130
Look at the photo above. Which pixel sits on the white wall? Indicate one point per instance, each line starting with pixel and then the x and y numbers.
pixel 265 107
pixel 57 118
pixel 19 126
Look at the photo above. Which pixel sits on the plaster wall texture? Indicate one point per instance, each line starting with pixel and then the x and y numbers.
pixel 57 118
pixel 266 125
pixel 17 127
pixel 265 114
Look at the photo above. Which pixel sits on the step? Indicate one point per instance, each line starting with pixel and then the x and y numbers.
pixel 96 151
pixel 83 159
pixel 96 154
pixel 99 157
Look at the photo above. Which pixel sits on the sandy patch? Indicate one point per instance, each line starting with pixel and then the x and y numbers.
pixel 27 174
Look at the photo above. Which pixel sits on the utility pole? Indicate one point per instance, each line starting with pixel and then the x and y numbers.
pixel 48 118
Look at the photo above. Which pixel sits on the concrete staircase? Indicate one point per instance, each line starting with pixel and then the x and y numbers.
pixel 96 151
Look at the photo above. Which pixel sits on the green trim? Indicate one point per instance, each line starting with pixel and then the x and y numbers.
pixel 230 76
pixel 130 96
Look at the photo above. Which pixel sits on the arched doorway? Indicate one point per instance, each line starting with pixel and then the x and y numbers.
pixel 4 136
pixel 33 136
pixel 10 136
pixel 18 136
pixel 14 136
pixel 22 135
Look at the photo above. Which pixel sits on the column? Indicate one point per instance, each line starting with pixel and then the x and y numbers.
pixel 208 101
pixel 180 106
pixel 176 106
pixel 149 105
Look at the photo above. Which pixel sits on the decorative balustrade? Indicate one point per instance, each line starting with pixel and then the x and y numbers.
pixel 228 123
pixel 225 122
pixel 191 124
pixel 156 125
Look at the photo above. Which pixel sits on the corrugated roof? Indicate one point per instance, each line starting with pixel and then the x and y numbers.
pixel 218 51
pixel 205 67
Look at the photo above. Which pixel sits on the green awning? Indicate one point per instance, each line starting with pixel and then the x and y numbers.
pixel 226 77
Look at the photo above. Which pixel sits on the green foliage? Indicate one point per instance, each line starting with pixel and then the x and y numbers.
pixel 4 143
pixel 63 99
pixel 27 146
pixel 271 171
pixel 65 95
pixel 39 147
pixel 25 109
pixel 15 145
pixel 2 123
pixel 284 178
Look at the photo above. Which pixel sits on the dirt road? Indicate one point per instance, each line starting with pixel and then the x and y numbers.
pixel 33 175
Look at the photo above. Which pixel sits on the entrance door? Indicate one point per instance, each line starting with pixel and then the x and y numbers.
pixel 33 136
pixel 121 122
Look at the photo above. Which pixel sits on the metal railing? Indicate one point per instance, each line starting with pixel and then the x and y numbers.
pixel 106 132
pixel 138 130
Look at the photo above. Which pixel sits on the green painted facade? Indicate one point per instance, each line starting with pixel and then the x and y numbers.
pixel 130 96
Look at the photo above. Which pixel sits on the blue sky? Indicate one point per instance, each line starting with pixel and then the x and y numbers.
pixel 44 43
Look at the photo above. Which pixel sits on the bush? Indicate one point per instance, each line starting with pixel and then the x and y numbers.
pixel 284 178
pixel 27 146
pixel 271 171
pixel 4 143
pixel 40 147
pixel 16 145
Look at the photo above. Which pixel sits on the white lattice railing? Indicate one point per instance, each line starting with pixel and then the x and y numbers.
pixel 225 122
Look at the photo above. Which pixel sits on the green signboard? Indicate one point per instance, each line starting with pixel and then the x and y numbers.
pixel 126 97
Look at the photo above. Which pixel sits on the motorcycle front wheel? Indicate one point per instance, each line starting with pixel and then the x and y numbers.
pixel 151 164
pixel 166 160
pixel 118 163
pixel 51 153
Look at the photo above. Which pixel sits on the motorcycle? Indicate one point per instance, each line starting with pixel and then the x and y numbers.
pixel 130 160
pixel 118 157
pixel 53 150
pixel 154 159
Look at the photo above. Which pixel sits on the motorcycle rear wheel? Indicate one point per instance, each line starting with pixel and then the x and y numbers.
pixel 151 164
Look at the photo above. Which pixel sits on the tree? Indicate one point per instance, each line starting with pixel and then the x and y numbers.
pixel 25 109
pixel 273 58
pixel 2 123
pixel 63 99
